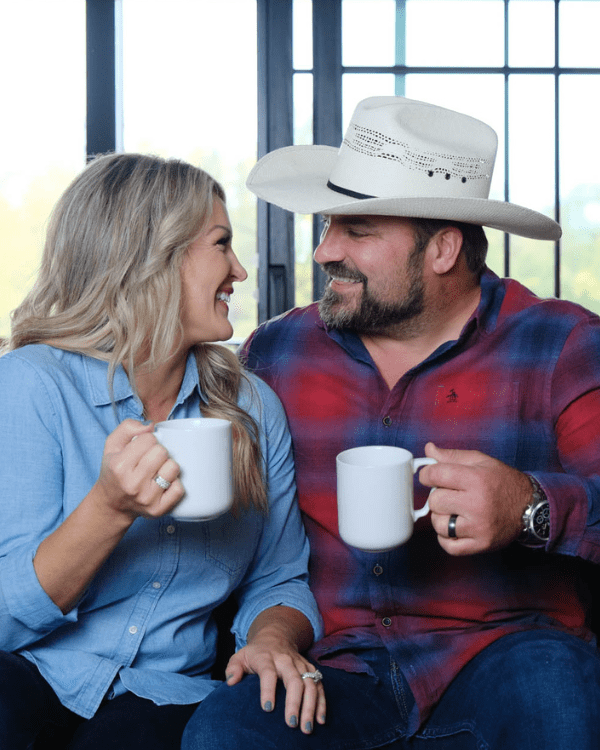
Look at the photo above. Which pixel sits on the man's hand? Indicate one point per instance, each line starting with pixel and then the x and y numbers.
pixel 272 653
pixel 488 497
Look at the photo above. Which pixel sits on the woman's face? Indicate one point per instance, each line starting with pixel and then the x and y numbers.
pixel 207 274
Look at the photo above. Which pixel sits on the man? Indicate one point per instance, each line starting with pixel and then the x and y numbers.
pixel 474 632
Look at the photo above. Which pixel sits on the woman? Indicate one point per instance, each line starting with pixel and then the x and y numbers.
pixel 105 599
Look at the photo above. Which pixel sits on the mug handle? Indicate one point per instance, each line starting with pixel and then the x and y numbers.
pixel 417 463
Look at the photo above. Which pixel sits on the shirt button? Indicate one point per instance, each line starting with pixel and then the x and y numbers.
pixel 156 585
pixel 378 570
pixel 387 421
pixel 386 622
pixel 133 630
pixel 170 529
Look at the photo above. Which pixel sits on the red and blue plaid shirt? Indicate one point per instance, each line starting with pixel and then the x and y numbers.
pixel 521 384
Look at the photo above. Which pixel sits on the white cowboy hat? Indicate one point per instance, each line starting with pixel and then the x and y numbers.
pixel 400 157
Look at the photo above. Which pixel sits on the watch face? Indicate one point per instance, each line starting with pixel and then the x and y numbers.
pixel 541 521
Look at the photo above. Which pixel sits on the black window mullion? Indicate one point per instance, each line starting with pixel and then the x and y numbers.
pixel 275 227
pixel 101 89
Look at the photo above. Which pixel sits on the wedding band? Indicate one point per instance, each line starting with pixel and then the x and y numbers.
pixel 452 526
pixel 316 676
pixel 163 483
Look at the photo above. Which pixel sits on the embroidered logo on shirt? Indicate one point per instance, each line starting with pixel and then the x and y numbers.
pixel 452 397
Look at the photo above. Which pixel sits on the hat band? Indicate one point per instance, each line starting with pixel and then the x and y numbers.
pixel 349 193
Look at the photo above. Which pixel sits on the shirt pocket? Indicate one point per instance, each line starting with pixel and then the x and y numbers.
pixel 230 541
pixel 477 413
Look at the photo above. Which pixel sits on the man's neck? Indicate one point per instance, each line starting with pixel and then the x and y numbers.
pixel 398 349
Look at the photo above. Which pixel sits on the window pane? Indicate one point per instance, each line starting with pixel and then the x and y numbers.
pixel 579 22
pixel 303 135
pixel 531 20
pixel 455 32
pixel 302 45
pixel 580 190
pixel 42 56
pixel 196 100
pixel 303 109
pixel 532 174
pixel 368 32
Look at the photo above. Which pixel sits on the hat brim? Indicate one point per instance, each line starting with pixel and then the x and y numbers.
pixel 295 178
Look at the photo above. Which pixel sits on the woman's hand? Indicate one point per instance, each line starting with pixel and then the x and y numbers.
pixel 272 653
pixel 132 460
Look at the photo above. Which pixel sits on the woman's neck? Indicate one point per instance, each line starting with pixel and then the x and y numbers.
pixel 158 389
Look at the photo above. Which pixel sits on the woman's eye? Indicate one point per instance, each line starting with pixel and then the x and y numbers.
pixel 224 242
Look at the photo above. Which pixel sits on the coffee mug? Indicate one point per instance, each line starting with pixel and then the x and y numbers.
pixel 375 496
pixel 203 449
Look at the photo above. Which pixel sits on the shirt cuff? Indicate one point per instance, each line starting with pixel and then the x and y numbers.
pixel 24 597
pixel 285 596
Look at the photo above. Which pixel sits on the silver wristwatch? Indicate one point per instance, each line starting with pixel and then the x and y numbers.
pixel 536 517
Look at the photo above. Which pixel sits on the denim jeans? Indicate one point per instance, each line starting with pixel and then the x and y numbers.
pixel 30 709
pixel 535 690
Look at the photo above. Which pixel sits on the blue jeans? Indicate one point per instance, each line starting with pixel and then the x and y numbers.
pixel 30 711
pixel 535 690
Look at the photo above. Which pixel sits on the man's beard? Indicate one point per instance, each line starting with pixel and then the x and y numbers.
pixel 372 315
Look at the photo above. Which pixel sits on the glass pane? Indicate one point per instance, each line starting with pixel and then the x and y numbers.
pixel 368 32
pixel 304 251
pixel 196 100
pixel 529 20
pixel 532 174
pixel 303 109
pixel 302 49
pixel 579 21
pixel 43 128
pixel 580 190
pixel 450 33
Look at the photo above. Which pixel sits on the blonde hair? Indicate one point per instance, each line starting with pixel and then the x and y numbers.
pixel 109 284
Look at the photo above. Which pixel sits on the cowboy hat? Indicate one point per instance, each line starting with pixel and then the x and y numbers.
pixel 399 157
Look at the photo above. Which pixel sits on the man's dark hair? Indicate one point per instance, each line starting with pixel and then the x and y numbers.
pixel 475 243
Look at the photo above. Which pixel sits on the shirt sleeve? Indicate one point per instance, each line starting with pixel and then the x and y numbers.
pixel 279 574
pixel 31 496
pixel 574 495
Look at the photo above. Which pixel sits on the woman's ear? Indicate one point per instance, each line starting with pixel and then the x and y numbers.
pixel 445 247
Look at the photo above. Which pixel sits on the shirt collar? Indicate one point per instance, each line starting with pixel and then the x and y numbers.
pixel 97 378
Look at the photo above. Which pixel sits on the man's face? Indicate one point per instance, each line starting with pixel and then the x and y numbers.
pixel 375 274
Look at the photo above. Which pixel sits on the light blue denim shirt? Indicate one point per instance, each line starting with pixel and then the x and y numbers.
pixel 144 624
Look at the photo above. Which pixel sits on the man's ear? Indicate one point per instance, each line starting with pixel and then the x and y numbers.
pixel 445 247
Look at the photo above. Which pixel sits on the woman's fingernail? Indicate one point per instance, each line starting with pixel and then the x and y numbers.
pixel 308 727
pixel 293 721
pixel 268 706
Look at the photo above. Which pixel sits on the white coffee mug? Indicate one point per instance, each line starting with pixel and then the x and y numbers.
pixel 203 449
pixel 375 496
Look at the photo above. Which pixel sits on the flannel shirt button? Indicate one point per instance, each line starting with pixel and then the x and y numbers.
pixel 387 421
pixel 386 622
pixel 378 570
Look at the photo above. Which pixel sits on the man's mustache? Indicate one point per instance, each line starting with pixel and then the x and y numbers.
pixel 337 269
